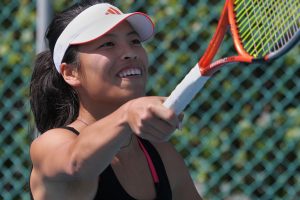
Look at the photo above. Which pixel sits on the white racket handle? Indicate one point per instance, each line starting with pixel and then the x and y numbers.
pixel 186 90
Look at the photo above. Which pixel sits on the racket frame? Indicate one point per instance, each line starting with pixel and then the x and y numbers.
pixel 194 81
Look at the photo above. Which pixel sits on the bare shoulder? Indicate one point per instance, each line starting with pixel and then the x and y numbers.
pixel 48 151
pixel 50 178
pixel 49 140
pixel 56 135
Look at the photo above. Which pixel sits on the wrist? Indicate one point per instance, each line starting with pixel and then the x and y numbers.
pixel 124 113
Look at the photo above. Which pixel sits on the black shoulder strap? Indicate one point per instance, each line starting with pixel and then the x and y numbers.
pixel 164 189
pixel 110 188
pixel 71 129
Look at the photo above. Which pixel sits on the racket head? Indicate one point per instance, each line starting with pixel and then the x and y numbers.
pixel 264 30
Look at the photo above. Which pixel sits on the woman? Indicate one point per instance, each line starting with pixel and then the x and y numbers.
pixel 102 138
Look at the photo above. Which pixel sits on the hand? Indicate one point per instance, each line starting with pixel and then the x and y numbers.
pixel 149 119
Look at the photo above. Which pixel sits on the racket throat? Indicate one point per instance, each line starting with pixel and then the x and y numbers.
pixel 215 66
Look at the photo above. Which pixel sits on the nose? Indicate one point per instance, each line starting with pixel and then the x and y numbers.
pixel 129 53
pixel 129 56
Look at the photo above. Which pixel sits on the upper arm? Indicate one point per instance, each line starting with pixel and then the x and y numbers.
pixel 181 182
pixel 50 153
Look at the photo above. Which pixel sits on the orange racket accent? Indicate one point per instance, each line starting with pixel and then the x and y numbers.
pixel 215 42
pixel 227 19
pixel 234 31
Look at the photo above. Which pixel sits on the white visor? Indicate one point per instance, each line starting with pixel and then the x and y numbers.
pixel 96 21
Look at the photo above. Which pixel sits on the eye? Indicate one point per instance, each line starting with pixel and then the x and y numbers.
pixel 107 44
pixel 136 42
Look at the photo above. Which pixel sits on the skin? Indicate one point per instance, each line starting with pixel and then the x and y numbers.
pixel 113 112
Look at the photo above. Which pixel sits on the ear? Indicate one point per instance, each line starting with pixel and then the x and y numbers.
pixel 70 74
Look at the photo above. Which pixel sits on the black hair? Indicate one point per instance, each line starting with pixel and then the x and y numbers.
pixel 53 102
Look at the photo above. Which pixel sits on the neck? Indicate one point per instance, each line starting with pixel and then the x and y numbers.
pixel 96 112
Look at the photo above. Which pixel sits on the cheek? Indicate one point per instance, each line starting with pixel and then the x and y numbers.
pixel 94 65
pixel 144 57
pixel 96 86
pixel 97 78
pixel 95 72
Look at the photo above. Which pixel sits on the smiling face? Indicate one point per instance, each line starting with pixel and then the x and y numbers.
pixel 113 68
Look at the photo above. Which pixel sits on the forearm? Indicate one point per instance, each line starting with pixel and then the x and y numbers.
pixel 98 143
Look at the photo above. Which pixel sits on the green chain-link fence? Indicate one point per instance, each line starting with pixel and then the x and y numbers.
pixel 241 134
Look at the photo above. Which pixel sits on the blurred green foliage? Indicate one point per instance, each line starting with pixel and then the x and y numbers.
pixel 240 136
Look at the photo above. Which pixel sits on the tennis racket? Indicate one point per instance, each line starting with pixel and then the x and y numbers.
pixel 262 30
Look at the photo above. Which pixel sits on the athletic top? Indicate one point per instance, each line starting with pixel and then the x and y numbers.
pixel 109 187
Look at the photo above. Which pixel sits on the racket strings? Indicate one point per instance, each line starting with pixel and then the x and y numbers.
pixel 266 26
pixel 269 25
pixel 278 29
pixel 275 29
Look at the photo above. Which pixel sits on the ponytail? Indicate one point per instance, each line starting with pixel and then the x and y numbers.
pixel 54 103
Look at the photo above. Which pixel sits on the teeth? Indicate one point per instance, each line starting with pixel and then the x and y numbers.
pixel 130 72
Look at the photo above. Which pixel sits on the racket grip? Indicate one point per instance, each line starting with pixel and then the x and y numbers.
pixel 185 91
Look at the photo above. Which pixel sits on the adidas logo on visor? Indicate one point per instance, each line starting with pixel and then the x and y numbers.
pixel 113 11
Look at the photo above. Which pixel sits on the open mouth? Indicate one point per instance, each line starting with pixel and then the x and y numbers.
pixel 130 72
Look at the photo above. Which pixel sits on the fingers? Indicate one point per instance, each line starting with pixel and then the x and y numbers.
pixel 157 130
pixel 164 114
pixel 149 119
pixel 168 116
